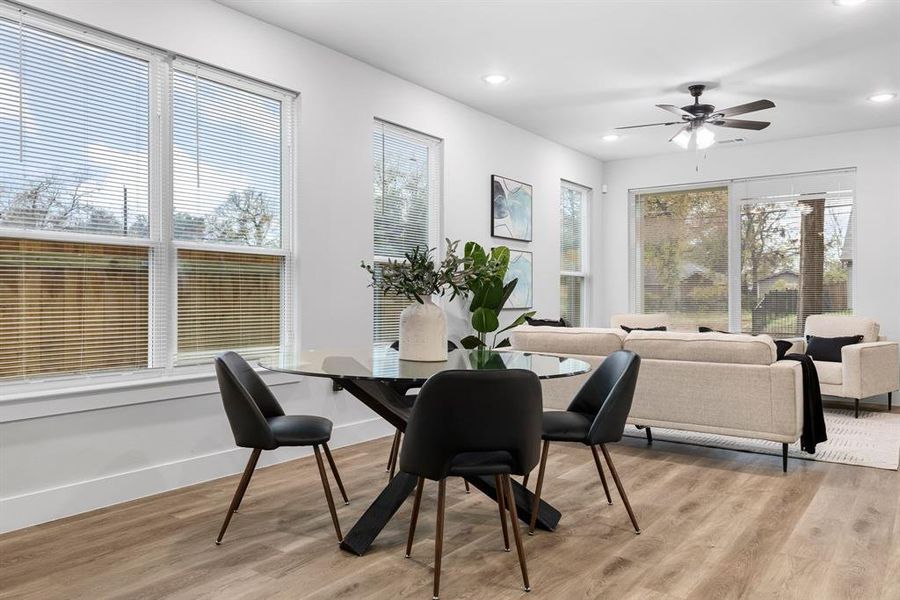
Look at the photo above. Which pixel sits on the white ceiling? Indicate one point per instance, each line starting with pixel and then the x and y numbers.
pixel 578 69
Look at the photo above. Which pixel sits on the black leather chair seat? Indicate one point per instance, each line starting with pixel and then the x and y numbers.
pixel 481 463
pixel 300 430
pixel 566 426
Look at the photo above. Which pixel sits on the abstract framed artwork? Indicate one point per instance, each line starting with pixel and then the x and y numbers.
pixel 521 268
pixel 510 209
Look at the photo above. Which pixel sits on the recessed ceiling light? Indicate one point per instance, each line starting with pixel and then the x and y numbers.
pixel 848 2
pixel 610 138
pixel 885 97
pixel 495 79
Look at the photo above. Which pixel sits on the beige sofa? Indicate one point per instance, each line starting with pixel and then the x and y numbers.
pixel 713 383
pixel 867 369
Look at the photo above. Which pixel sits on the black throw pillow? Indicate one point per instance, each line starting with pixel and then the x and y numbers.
pixel 546 322
pixel 630 329
pixel 783 346
pixel 710 330
pixel 829 349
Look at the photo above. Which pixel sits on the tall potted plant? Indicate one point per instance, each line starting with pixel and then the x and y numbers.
pixel 423 325
pixel 483 277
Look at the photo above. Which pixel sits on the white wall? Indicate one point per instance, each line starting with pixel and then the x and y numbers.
pixel 176 435
pixel 876 155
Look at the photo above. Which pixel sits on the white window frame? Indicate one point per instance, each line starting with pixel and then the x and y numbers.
pixel 585 273
pixel 161 245
pixel 435 196
pixel 735 204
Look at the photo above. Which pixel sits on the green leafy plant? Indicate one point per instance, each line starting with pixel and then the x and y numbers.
pixel 482 276
pixel 418 276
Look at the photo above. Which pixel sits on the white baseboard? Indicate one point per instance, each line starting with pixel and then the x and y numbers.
pixel 25 510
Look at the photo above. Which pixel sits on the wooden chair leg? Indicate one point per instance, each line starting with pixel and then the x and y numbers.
pixel 525 480
pixel 394 445
pixel 397 439
pixel 517 534
pixel 856 408
pixel 615 474
pixel 415 516
pixel 337 476
pixel 538 487
pixel 600 471
pixel 501 502
pixel 239 492
pixel 466 483
pixel 439 537
pixel 328 498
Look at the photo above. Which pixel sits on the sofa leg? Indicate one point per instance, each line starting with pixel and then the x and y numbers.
pixel 856 408
pixel 649 437
pixel 784 456
pixel 889 400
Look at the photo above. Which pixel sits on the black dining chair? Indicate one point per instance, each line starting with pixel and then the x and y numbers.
pixel 473 423
pixel 595 417
pixel 257 421
pixel 409 398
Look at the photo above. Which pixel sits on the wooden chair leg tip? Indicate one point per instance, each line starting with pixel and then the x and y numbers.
pixel 218 543
pixel 637 532
pixel 506 550
pixel 528 589
pixel 530 533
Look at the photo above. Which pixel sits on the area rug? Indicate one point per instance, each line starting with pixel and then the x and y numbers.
pixel 872 440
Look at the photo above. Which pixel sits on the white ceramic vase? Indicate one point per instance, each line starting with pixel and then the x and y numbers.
pixel 423 332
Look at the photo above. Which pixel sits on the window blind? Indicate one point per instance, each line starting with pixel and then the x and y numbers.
pixel 228 149
pixel 71 307
pixel 796 249
pixel 573 252
pixel 680 256
pixel 407 194
pixel 74 135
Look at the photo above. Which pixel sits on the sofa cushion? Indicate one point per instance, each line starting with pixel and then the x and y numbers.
pixel 703 347
pixel 841 326
pixel 589 341
pixel 640 320
pixel 831 373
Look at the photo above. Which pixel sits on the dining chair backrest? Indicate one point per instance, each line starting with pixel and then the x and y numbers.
pixel 458 412
pixel 248 402
pixel 607 395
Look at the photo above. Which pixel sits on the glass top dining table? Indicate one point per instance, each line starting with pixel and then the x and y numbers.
pixel 377 377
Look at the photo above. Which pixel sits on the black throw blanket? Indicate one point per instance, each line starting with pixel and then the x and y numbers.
pixel 813 415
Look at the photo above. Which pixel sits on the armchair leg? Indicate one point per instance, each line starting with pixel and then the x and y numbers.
pixel 337 476
pixel 600 472
pixel 649 436
pixel 890 394
pixel 517 534
pixel 239 492
pixel 415 516
pixel 328 498
pixel 615 474
pixel 856 408
pixel 784 457
pixel 537 488
pixel 439 537
pixel 501 501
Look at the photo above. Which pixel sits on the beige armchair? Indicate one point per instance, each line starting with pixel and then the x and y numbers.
pixel 867 369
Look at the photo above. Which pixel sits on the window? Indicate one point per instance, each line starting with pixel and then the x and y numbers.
pixel 756 255
pixel 796 249
pixel 407 196
pixel 111 237
pixel 573 261
pixel 681 255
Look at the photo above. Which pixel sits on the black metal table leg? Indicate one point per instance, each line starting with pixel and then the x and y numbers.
pixel 370 524
pixel 548 517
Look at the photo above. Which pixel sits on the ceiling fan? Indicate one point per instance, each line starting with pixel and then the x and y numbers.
pixel 695 118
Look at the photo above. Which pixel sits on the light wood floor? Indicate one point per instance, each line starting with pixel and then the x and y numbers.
pixel 717 524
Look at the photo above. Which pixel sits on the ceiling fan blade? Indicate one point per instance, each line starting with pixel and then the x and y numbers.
pixel 741 124
pixel 745 108
pixel 677 133
pixel 675 110
pixel 651 125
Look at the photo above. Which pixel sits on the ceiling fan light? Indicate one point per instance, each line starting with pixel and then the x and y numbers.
pixel 682 139
pixel 705 137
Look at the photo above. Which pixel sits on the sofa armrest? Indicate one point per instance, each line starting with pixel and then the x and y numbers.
pixel 870 369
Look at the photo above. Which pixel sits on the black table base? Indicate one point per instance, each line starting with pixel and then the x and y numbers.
pixel 387 401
